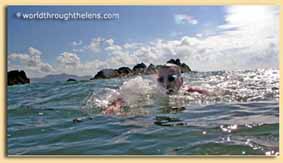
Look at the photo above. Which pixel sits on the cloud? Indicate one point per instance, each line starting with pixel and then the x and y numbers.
pixel 113 48
pixel 30 61
pixel 248 39
pixel 240 43
pixel 77 43
pixel 245 16
pixel 199 35
pixel 185 19
pixel 78 50
pixel 95 45
pixel 33 51
pixel 110 42
pixel 250 36
pixel 132 45
pixel 45 67
pixel 67 59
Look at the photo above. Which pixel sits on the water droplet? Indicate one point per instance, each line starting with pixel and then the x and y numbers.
pixel 223 129
pixel 248 125
pixel 248 141
pixel 77 120
pixel 228 139
pixel 233 127
pixel 255 148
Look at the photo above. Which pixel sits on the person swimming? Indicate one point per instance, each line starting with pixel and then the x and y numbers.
pixel 169 79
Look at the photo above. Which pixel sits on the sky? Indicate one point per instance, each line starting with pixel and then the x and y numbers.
pixel 207 38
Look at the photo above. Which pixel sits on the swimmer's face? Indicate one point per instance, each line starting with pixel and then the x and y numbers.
pixel 169 77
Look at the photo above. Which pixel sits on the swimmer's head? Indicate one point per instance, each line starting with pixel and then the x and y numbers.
pixel 169 77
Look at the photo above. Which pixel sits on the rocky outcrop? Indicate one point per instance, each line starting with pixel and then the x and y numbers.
pixel 184 67
pixel 112 73
pixel 17 77
pixel 138 69
pixel 71 80
pixel 125 71
pixel 151 69
pixel 106 74
pixel 176 62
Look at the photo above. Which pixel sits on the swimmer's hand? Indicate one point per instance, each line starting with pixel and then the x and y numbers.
pixel 115 107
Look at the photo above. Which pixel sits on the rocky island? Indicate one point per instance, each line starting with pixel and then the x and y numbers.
pixel 139 69
pixel 17 77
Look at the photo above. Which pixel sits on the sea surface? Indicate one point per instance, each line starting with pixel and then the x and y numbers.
pixel 67 118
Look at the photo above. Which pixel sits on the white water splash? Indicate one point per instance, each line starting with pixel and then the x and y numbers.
pixel 139 90
pixel 136 92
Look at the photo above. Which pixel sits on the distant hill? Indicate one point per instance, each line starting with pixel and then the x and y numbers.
pixel 58 77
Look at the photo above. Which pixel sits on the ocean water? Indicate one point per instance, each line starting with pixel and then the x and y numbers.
pixel 67 118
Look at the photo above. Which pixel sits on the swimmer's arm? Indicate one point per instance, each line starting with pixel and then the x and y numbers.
pixel 206 92
pixel 198 90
